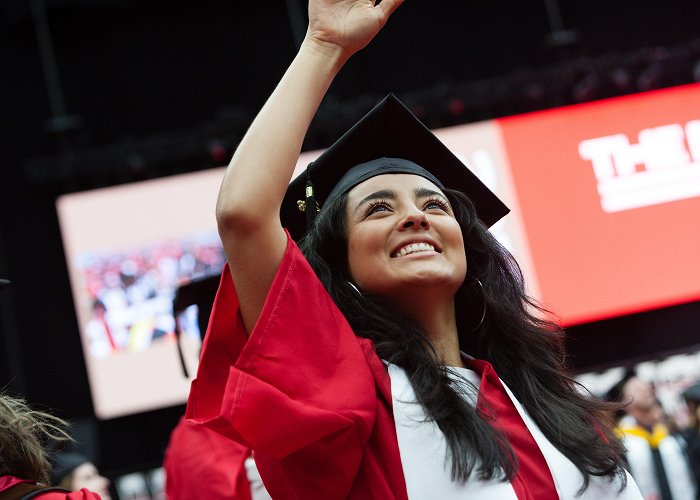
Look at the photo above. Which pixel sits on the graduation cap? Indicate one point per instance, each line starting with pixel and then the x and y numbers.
pixel 692 393
pixel 64 463
pixel 615 392
pixel 388 139
pixel 200 292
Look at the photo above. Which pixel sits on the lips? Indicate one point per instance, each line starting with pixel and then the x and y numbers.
pixel 415 247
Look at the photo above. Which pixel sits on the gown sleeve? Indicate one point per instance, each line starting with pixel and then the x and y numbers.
pixel 200 463
pixel 298 391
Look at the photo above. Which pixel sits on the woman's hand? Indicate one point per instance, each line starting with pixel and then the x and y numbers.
pixel 251 193
pixel 347 25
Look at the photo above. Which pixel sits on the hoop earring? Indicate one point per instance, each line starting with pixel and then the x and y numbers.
pixel 352 285
pixel 483 312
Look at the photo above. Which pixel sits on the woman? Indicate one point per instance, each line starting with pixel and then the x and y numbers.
pixel 691 434
pixel 343 369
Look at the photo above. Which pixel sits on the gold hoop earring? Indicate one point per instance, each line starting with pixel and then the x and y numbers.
pixel 483 312
pixel 352 285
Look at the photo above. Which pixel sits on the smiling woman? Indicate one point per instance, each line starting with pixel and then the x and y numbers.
pixel 393 353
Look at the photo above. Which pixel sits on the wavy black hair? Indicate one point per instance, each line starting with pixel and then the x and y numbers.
pixel 525 348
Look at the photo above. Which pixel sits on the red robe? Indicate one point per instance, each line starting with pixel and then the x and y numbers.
pixel 311 398
pixel 201 464
pixel 8 482
pixel 314 400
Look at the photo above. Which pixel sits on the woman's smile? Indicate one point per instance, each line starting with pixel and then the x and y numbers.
pixel 415 247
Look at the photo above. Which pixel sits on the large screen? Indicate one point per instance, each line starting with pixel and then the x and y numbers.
pixel 128 250
pixel 605 201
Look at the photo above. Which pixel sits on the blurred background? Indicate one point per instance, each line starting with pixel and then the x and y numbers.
pixel 114 95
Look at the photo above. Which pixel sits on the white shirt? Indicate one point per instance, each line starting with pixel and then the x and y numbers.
pixel 641 461
pixel 423 450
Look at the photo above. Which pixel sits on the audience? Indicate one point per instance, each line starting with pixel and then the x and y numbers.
pixel 656 458
pixel 691 434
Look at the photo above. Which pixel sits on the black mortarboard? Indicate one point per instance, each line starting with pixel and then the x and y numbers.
pixel 65 462
pixel 200 292
pixel 388 132
pixel 692 393
pixel 615 393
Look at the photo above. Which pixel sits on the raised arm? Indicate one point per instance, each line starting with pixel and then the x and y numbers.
pixel 251 193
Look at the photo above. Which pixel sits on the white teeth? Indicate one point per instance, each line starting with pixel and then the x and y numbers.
pixel 415 247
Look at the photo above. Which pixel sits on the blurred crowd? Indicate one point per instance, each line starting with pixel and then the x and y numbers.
pixel 131 293
pixel 663 453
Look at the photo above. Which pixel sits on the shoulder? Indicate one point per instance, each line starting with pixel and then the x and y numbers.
pixel 26 490
pixel 61 494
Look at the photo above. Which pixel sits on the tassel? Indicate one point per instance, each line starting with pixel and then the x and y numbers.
pixel 311 205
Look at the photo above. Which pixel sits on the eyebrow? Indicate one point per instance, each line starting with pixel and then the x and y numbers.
pixel 384 194
pixel 388 194
pixel 427 193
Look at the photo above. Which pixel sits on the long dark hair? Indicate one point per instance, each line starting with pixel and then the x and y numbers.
pixel 525 348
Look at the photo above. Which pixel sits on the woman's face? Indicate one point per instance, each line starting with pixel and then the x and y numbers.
pixel 402 235
pixel 87 476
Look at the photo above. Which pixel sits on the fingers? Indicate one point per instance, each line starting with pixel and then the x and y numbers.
pixel 389 6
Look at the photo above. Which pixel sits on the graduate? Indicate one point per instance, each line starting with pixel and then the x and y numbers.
pixel 370 338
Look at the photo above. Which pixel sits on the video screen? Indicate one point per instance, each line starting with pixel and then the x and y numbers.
pixel 129 248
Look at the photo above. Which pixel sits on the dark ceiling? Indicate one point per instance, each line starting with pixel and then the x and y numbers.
pixel 132 68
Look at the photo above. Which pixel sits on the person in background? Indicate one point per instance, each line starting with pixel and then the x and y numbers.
pixel 656 458
pixel 74 471
pixel 200 463
pixel 24 463
pixel 691 434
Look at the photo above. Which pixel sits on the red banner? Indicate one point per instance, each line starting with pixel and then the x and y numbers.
pixel 609 193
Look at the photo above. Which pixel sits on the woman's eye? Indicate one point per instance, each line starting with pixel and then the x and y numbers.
pixel 377 208
pixel 437 204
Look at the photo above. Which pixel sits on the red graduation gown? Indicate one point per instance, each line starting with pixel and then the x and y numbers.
pixel 201 464
pixel 9 482
pixel 311 398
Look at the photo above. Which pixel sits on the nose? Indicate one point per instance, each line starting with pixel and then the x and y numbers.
pixel 415 219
